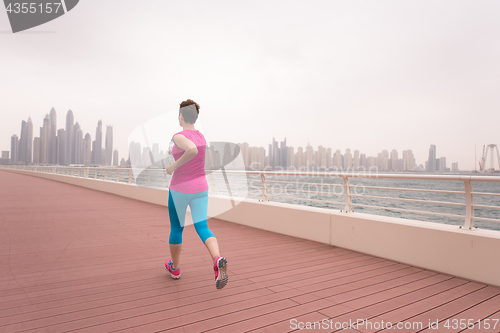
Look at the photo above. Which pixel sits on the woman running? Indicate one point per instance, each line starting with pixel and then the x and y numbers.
pixel 189 187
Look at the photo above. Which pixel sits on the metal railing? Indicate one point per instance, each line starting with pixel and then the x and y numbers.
pixel 268 181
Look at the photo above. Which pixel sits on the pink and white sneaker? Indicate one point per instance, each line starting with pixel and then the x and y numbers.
pixel 220 270
pixel 174 273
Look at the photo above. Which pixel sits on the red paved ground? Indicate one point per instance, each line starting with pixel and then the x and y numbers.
pixel 78 260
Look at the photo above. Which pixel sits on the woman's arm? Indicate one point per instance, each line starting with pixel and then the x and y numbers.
pixel 190 151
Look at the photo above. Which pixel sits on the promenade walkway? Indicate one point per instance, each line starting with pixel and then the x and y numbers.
pixel 79 260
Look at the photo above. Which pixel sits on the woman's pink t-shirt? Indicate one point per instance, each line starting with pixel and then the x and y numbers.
pixel 190 177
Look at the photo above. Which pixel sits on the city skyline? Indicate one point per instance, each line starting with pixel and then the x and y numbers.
pixel 361 75
pixel 85 150
pixel 63 146
pixel 49 148
pixel 280 156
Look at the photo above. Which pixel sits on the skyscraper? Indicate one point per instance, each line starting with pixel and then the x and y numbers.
pixel 53 141
pixel 328 158
pixel 29 141
pixel 431 162
pixel 347 160
pixel 70 137
pixel 442 164
pixel 409 159
pixel 115 158
pixel 284 155
pixel 53 122
pixel 309 156
pixel 87 149
pixel 14 149
pixel 26 142
pixel 337 160
pixel 301 159
pixel 78 142
pixel 45 137
pixel 356 160
pixel 108 145
pixel 61 138
pixel 97 151
pixel 383 160
pixel 37 153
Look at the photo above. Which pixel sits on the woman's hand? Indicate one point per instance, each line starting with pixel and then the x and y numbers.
pixel 171 168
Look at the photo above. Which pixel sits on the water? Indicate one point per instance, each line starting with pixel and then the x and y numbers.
pixel 331 189
pixel 300 191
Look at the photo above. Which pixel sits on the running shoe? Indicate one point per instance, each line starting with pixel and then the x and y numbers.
pixel 220 270
pixel 174 273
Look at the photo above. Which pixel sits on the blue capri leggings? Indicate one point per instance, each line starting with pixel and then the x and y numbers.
pixel 177 206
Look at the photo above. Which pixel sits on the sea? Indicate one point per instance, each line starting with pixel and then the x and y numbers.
pixel 328 192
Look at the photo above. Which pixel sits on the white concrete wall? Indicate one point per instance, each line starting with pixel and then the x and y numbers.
pixel 471 254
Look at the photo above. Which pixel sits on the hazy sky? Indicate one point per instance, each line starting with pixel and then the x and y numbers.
pixel 366 75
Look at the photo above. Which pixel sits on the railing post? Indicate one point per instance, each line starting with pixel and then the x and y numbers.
pixel 348 198
pixel 95 173
pixel 105 174
pixel 117 176
pixel 264 187
pixel 469 205
pixel 129 177
pixel 85 173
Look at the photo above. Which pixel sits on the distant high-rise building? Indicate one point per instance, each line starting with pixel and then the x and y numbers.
pixel 284 155
pixel 409 159
pixel 337 160
pixel 270 152
pixel 115 158
pixel 78 150
pixel 363 162
pixel 29 141
pixel 87 149
pixel 300 161
pixel 328 158
pixel 431 162
pixel 309 155
pixel 14 149
pixel 54 150
pixel 26 142
pixel 442 164
pixel 21 154
pixel 45 137
pixel 437 164
pixel 108 145
pixel 383 160
pixel 97 151
pixel 291 155
pixel 371 162
pixel 347 160
pixel 53 122
pixel 4 160
pixel 393 160
pixel 156 152
pixel 134 151
pixel 321 160
pixel 53 140
pixel 37 150
pixel 61 139
pixel 70 136
pixel 355 161
pixel 454 166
